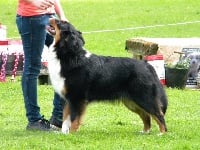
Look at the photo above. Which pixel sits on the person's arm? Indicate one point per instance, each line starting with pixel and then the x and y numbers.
pixel 59 10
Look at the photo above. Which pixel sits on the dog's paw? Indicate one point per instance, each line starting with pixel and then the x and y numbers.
pixel 144 132
pixel 65 130
pixel 160 134
pixel 66 126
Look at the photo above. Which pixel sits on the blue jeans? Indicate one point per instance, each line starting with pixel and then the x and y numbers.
pixel 33 34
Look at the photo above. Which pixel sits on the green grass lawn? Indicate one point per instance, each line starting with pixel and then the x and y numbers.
pixel 108 126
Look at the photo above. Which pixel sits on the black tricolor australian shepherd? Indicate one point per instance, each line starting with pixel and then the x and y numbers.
pixel 81 77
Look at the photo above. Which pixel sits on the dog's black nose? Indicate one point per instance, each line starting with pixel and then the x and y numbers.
pixel 193 62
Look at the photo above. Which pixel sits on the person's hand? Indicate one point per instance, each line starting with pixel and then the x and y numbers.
pixel 63 18
pixel 42 4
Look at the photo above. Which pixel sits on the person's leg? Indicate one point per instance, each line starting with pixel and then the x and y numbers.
pixel 49 40
pixel 33 34
pixel 57 113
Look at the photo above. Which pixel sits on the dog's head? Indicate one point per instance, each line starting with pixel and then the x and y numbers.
pixel 194 57
pixel 66 36
pixel 194 63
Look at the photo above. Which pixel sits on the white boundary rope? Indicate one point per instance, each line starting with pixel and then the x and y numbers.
pixel 136 28
pixel 143 27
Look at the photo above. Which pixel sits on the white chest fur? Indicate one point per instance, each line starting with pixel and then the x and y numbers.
pixel 54 69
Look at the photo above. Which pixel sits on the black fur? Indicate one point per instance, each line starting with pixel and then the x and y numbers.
pixel 102 78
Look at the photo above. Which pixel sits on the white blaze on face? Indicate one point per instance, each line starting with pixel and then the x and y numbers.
pixel 54 69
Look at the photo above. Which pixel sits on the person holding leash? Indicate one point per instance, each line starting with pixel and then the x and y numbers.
pixel 32 19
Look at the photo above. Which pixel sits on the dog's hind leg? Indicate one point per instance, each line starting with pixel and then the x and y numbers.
pixel 155 110
pixel 159 118
pixel 143 115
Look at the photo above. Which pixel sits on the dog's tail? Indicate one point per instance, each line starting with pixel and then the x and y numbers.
pixel 158 90
pixel 152 70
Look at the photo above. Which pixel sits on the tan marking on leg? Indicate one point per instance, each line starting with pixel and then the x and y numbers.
pixel 75 125
pixel 146 119
pixel 66 120
pixel 78 121
pixel 162 127
pixel 64 91
pixel 66 112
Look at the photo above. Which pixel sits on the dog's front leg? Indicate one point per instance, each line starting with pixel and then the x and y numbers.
pixel 77 121
pixel 66 119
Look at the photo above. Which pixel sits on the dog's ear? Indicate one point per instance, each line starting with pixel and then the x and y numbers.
pixel 62 43
pixel 72 29
pixel 81 37
pixel 65 36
